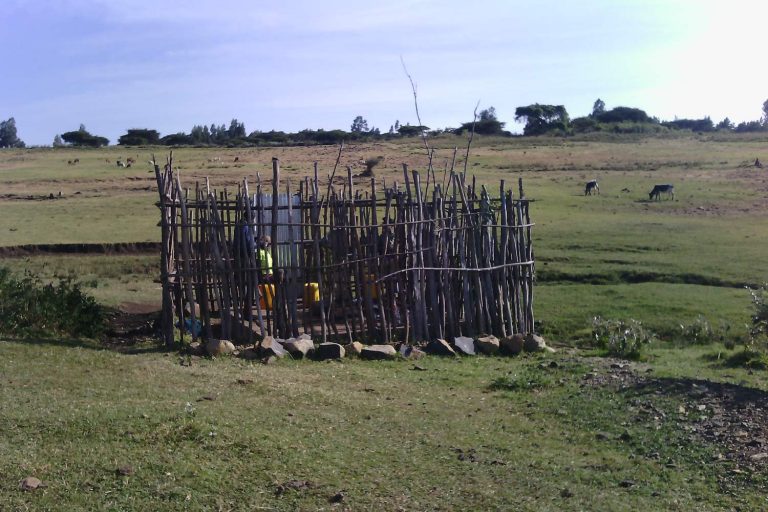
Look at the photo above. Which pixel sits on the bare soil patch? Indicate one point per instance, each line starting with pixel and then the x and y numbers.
pixel 732 417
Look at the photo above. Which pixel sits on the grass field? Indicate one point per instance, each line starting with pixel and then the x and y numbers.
pixel 567 432
pixel 229 435
pixel 700 248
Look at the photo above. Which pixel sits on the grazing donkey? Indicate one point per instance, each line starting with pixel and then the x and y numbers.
pixel 662 189
pixel 592 186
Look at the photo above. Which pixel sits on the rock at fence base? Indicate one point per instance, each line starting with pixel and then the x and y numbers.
pixel 486 344
pixel 250 354
pixel 354 348
pixel 196 349
pixel 440 348
pixel 305 336
pixel 464 345
pixel 550 349
pixel 329 351
pixel 411 352
pixel 512 345
pixel 299 348
pixel 378 352
pixel 216 348
pixel 534 343
pixel 30 484
pixel 269 346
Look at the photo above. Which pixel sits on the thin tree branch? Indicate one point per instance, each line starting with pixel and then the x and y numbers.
pixel 471 136
pixel 416 104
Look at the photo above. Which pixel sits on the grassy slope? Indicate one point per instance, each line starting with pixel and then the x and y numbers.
pixel 391 438
pixel 713 234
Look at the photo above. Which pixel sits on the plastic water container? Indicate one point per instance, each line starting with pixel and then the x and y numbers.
pixel 266 294
pixel 372 286
pixel 311 293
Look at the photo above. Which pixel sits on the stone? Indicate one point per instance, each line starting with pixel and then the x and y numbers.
pixel 250 354
pixel 378 352
pixel 243 332
pixel 196 349
pixel 269 346
pixel 329 351
pixel 440 347
pixel 305 336
pixel 126 470
pixel 354 348
pixel 299 348
pixel 512 345
pixel 30 484
pixel 759 456
pixel 217 348
pixel 464 345
pixel 411 352
pixel 534 343
pixel 488 345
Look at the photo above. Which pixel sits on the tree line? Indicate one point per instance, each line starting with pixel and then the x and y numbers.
pixel 538 119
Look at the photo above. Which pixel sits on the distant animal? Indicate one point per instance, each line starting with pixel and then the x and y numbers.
pixel 69 162
pixel 76 161
pixel 130 161
pixel 662 189
pixel 237 159
pixel 592 186
pixel 120 163
pixel 625 189
pixel 108 160
pixel 758 163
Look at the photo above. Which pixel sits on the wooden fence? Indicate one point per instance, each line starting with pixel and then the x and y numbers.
pixel 414 261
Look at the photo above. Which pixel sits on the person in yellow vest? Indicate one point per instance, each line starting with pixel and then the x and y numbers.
pixel 264 255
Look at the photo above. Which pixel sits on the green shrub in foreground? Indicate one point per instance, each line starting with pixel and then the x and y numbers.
pixel 758 334
pixel 621 338
pixel 28 307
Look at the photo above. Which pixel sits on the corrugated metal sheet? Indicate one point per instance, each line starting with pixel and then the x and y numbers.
pixel 284 231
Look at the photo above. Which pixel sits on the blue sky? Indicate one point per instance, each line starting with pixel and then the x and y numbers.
pixel 290 65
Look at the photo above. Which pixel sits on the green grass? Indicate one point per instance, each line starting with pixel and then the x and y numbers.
pixel 111 279
pixel 389 437
pixel 472 434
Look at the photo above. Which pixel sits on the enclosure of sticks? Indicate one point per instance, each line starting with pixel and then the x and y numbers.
pixel 413 261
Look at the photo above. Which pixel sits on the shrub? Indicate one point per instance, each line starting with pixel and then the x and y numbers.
pixel 758 333
pixel 698 332
pixel 620 338
pixel 28 307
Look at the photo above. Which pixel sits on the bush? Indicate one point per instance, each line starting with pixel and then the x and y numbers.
pixel 758 333
pixel 620 338
pixel 28 307
pixel 700 332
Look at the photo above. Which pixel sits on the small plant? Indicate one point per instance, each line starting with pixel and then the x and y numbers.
pixel 620 338
pixel 29 307
pixel 524 381
pixel 758 332
pixel 699 332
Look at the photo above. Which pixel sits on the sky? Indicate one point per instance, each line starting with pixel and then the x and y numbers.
pixel 289 65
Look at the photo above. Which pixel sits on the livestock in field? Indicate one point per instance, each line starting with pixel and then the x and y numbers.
pixel 120 163
pixel 667 189
pixel 758 164
pixel 591 186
